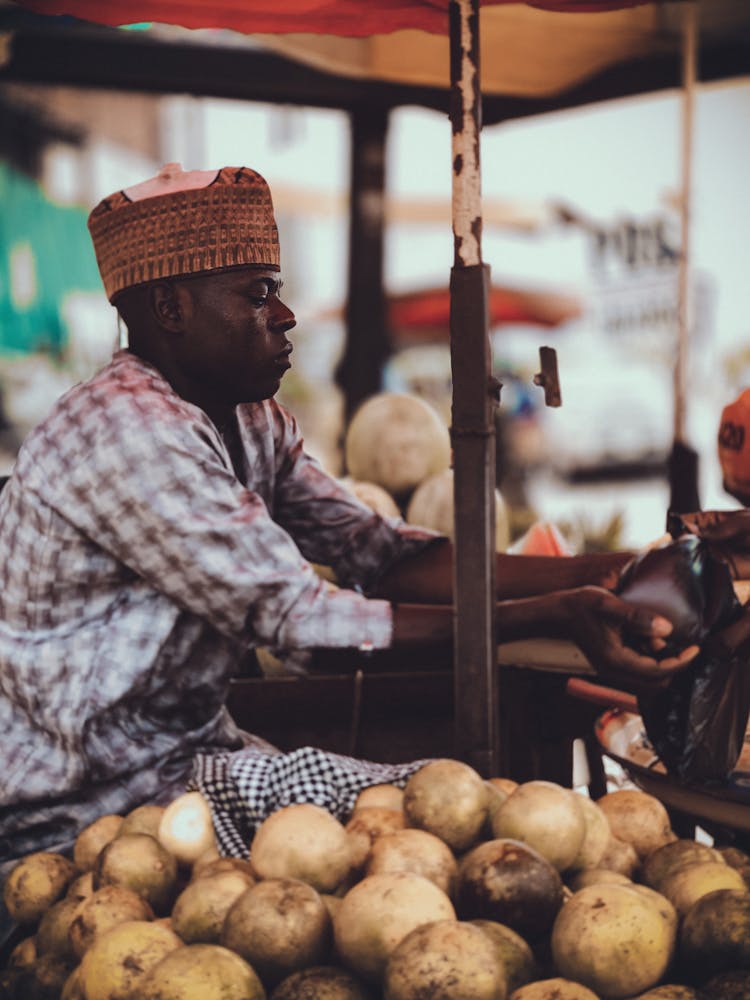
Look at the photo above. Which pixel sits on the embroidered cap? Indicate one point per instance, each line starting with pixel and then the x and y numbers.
pixel 184 222
pixel 734 447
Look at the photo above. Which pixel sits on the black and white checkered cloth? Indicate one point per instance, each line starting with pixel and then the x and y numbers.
pixel 244 787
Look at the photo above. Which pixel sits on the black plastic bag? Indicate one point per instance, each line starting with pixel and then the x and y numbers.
pixel 697 723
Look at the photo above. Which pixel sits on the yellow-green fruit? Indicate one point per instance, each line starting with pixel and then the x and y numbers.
pixel 389 796
pixel 546 816
pixel 396 440
pixel 715 934
pixel 24 954
pixel 279 926
pixel 199 911
pixel 615 939
pixel 117 962
pixel 553 989
pixel 508 881
pixel 73 987
pixel 378 912
pixel 593 876
pixel 52 935
pixel 305 842
pixel 93 838
pixel 369 823
pixel 415 851
pixel 685 886
pixel 82 887
pixel 139 862
pixel 321 982
pixel 214 865
pixel 669 992
pixel 46 978
pixel 637 818
pixel 143 819
pixel 186 828
pixel 201 972
pixel 596 836
pixel 669 857
pixel 449 799
pixel 103 909
pixel 35 883
pixel 513 951
pixel 444 960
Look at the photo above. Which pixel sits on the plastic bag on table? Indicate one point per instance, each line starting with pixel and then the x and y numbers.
pixel 697 723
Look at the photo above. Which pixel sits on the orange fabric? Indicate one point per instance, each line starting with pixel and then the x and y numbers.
pixel 734 446
pixel 335 17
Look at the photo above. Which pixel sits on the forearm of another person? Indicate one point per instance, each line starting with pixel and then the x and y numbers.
pixel 427 577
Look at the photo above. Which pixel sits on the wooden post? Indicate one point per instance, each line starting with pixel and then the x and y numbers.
pixel 367 345
pixel 473 426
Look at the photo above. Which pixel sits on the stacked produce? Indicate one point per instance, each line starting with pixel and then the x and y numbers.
pixel 398 455
pixel 454 888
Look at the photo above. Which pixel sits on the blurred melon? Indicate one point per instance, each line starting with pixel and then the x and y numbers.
pixel 432 506
pixel 373 496
pixel 396 440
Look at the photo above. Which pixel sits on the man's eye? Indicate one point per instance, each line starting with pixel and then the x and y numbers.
pixel 259 300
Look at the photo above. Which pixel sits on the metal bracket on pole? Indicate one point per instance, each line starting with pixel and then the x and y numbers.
pixel 548 377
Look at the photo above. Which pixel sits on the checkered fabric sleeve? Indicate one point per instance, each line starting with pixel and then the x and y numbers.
pixel 245 787
pixel 205 520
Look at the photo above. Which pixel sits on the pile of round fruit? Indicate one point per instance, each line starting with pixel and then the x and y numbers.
pixel 454 888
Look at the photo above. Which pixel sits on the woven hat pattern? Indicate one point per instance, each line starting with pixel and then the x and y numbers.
pixel 226 224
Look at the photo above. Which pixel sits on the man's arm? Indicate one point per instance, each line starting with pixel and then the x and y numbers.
pixel 427 576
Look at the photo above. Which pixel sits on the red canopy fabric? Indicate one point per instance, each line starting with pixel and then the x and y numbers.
pixel 424 315
pixel 356 18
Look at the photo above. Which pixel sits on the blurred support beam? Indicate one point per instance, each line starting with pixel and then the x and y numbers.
pixel 367 346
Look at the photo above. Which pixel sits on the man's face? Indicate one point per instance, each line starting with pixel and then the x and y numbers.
pixel 235 326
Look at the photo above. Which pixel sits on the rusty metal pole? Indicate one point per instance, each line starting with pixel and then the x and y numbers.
pixel 683 461
pixel 472 423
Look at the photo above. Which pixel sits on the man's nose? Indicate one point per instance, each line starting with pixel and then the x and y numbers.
pixel 283 318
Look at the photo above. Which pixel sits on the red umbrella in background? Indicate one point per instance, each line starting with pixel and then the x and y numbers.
pixel 423 316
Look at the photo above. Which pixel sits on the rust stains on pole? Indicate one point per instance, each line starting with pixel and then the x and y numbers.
pixel 472 424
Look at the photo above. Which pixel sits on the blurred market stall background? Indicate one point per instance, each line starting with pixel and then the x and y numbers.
pixel 581 221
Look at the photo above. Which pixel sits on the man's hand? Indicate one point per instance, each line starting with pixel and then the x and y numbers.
pixel 728 535
pixel 602 625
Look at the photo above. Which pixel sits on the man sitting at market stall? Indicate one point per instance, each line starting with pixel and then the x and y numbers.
pixel 163 519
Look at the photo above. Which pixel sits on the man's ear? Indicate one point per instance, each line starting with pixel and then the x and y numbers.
pixel 169 304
